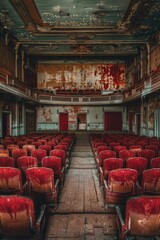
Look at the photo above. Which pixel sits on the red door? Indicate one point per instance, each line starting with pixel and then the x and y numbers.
pixel 63 121
pixel 138 124
pixel 130 122
pixel 6 124
pixel 113 121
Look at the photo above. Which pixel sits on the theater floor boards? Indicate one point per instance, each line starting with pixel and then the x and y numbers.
pixel 81 213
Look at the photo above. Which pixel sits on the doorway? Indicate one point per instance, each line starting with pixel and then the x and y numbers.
pixel 6 124
pixel 81 121
pixel 113 121
pixel 63 121
pixel 138 124
pixel 130 122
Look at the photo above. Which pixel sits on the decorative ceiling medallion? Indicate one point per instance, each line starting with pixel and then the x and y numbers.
pixel 81 48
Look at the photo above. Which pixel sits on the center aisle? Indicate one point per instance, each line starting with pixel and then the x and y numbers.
pixel 81 213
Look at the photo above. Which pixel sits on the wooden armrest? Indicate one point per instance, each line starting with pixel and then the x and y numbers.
pixel 118 210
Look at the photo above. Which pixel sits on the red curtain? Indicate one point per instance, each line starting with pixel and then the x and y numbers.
pixel 63 121
pixel 113 121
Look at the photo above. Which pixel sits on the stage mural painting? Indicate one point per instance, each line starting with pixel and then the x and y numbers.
pixel 81 76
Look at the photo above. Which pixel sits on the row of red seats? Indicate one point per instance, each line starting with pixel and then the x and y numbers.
pixel 24 216
pixel 137 216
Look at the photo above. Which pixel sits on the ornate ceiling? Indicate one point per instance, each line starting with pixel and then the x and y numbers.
pixel 105 28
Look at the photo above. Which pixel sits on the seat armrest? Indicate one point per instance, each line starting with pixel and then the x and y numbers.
pixel 56 184
pixel 101 171
pixel 41 215
pixel 138 186
pixel 105 184
pixel 118 210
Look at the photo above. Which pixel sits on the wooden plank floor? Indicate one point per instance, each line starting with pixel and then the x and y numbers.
pixel 81 212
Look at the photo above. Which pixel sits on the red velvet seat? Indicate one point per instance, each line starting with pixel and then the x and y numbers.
pixel 52 144
pixel 7 162
pixel 16 153
pixel 110 164
pixel 147 153
pixel 155 162
pixel 136 147
pixel 120 186
pixel 128 144
pixel 26 162
pixel 125 154
pixel 151 182
pixel 62 147
pixel 55 163
pixel 4 153
pixel 137 163
pixel 97 144
pixel 154 148
pixel 39 154
pixel 113 144
pixel 1 146
pixel 142 216
pixel 61 154
pixel 104 155
pixel 45 147
pixel 143 144
pixel 29 148
pixel 117 149
pixel 10 147
pixel 40 185
pixel 101 148
pixel 18 218
pixel 10 181
pixel 21 143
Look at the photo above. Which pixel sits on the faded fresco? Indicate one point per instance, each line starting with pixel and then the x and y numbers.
pixel 81 76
